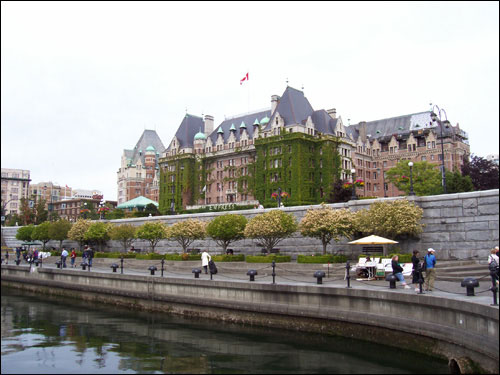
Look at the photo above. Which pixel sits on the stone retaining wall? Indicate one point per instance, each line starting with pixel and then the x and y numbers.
pixel 458 226
pixel 431 324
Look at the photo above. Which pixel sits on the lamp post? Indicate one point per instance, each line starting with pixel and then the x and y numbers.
pixel 383 181
pixel 101 209
pixel 279 197
pixel 85 210
pixel 4 206
pixel 446 123
pixel 353 197
pixel 410 164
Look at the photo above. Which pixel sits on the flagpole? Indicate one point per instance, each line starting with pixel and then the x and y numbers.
pixel 248 92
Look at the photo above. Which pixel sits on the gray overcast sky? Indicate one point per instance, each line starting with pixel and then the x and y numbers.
pixel 80 81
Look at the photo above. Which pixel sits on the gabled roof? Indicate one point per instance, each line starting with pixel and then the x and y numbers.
pixel 293 107
pixel 188 128
pixel 225 126
pixel 148 138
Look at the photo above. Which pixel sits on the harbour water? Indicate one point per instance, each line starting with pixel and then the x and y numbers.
pixel 48 335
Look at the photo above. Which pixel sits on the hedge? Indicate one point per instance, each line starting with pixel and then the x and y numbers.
pixel 229 258
pixel 150 256
pixel 268 258
pixel 321 259
pixel 181 257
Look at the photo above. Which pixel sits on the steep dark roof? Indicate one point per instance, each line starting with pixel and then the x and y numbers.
pixel 385 128
pixel 188 128
pixel 249 119
pixel 293 107
pixel 323 122
pixel 148 138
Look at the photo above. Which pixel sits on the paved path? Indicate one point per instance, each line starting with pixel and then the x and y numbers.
pixel 446 289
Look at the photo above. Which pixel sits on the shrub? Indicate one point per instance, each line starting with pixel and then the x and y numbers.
pixel 322 259
pixel 267 258
pixel 270 228
pixel 183 256
pixel 228 258
pixel 150 256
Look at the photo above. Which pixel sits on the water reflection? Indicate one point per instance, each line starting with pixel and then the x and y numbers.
pixel 42 334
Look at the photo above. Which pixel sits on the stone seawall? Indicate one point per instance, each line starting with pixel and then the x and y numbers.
pixel 431 324
pixel 457 226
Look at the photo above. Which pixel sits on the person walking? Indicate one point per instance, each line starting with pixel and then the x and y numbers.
pixel 73 257
pixel 430 269
pixel 397 270
pixel 205 258
pixel 493 265
pixel 64 255
pixel 90 254
pixel 35 254
pixel 416 274
pixel 18 254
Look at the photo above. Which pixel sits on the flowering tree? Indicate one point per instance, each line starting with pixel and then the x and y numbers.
pixel 226 229
pixel 78 230
pixel 390 219
pixel 327 224
pixel 152 232
pixel 270 228
pixel 187 231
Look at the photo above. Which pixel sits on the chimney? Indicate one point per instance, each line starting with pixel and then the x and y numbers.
pixel 275 99
pixel 332 112
pixel 362 130
pixel 209 125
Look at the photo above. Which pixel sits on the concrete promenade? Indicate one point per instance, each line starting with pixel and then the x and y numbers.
pixel 445 322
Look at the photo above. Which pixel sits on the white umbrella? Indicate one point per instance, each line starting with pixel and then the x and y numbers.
pixel 373 240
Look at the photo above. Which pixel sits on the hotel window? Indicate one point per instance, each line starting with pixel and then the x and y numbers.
pixel 423 158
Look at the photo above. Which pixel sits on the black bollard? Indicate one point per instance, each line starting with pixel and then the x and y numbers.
pixel 196 272
pixel 58 263
pixel 84 265
pixel 162 263
pixel 392 280
pixel 470 283
pixel 274 273
pixel 348 276
pixel 420 282
pixel 252 274
pixel 114 266
pixel 121 264
pixel 328 269
pixel 319 276
pixel 18 261
pixel 152 269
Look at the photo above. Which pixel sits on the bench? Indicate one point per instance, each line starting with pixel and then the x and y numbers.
pixel 373 250
pixel 273 251
pixel 193 251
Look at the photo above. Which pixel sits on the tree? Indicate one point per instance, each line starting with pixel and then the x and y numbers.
pixel 26 213
pixel 41 233
pixel 151 209
pixel 125 233
pixel 152 232
pixel 59 230
pixel 97 233
pixel 271 228
pixel 327 224
pixel 393 219
pixel 457 183
pixel 187 231
pixel 340 193
pixel 40 213
pixel 25 233
pixel 226 229
pixel 54 216
pixel 117 213
pixel 483 173
pixel 426 178
pixel 78 230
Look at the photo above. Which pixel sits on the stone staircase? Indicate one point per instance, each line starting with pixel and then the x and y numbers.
pixel 458 270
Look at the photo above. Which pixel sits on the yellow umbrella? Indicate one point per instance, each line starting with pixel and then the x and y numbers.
pixel 373 240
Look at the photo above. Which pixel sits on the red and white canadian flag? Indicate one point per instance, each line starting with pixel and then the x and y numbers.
pixel 245 78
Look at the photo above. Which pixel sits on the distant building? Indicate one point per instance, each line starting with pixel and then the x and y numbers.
pixel 71 209
pixel 49 192
pixel 493 158
pixel 297 149
pixel 15 185
pixel 139 171
pixel 85 194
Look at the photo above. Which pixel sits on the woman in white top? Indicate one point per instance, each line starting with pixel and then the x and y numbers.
pixel 493 258
pixel 205 258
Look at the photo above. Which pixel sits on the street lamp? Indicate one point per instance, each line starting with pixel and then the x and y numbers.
pixel 446 123
pixel 101 209
pixel 353 197
pixel 410 164
pixel 279 197
pixel 4 206
pixel 383 181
